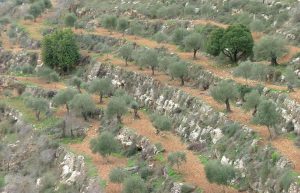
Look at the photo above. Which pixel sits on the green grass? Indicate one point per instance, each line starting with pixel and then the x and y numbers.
pixel 29 115
pixel 131 162
pixel 175 176
pixel 69 140
pixel 92 169
pixel 159 157
pixel 203 159
pixel 2 179
pixel 291 136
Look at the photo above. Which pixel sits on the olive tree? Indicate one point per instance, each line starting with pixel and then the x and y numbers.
pixel 105 144
pixel 126 52
pixel 76 81
pixel 270 48
pixel 176 158
pixel 38 105
pixel 218 173
pixel 292 79
pixel 150 59
pixel 244 70
pixel 178 36
pixel 134 184
pixel 63 97
pixel 252 100
pixel 116 107
pixel 100 86
pixel 179 70
pixel 193 42
pixel 82 104
pixel 267 115
pixel 225 92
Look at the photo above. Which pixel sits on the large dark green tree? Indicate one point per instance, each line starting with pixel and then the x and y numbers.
pixel 213 45
pixel 60 51
pixel 237 43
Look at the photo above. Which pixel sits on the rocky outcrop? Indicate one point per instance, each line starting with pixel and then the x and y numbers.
pixel 37 157
pixel 9 60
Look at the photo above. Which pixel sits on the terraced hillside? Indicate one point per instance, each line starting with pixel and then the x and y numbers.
pixel 167 96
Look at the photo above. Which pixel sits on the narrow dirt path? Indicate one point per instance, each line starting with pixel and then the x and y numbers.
pixel 101 164
pixel 192 171
pixel 282 144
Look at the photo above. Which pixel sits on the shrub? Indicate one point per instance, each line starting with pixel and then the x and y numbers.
pixel 105 144
pixel 35 10
pixel 161 122
pixel 160 37
pixel 176 158
pixel 179 35
pixel 218 173
pixel 70 19
pixel 287 179
pixel 117 175
pixel 48 74
pixel 244 70
pixel 110 22
pixel 123 24
pixel 134 184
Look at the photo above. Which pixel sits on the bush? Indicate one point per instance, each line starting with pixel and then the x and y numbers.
pixel 287 179
pixel 70 19
pixel 162 122
pixel 105 144
pixel 48 74
pixel 176 158
pixel 117 175
pixel 218 173
pixel 134 184
pixel 110 22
